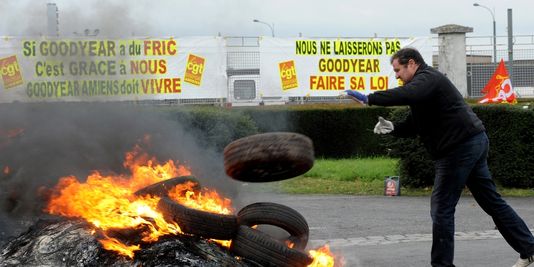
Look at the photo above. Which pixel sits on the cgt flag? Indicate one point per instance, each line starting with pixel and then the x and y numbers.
pixel 499 88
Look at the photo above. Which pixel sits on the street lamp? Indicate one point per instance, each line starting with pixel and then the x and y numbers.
pixel 494 35
pixel 270 26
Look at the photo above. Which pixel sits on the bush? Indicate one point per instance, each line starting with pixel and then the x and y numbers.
pixel 510 158
pixel 510 130
pixel 340 131
pixel 415 166
pixel 216 127
pixel 344 131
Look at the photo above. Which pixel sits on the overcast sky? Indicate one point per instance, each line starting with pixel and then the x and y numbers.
pixel 313 18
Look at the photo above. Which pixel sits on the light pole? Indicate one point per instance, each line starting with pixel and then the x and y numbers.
pixel 494 35
pixel 271 26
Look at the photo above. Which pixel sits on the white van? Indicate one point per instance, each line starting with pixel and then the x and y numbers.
pixel 243 88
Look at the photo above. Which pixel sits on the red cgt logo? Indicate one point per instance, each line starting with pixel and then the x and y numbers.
pixel 288 74
pixel 10 71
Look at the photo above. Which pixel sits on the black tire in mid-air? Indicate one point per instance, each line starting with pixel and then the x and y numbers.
pixel 269 157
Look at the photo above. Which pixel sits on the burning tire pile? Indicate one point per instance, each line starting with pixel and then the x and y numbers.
pixel 257 158
pixel 264 158
pixel 262 248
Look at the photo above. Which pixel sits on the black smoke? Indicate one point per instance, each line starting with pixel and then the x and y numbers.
pixel 39 143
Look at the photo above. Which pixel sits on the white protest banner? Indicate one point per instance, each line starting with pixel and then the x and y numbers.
pixel 81 69
pixel 327 67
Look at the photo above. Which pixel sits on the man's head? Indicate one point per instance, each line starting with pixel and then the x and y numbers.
pixel 405 63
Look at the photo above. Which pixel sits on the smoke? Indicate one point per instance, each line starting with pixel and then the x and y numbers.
pixel 49 141
pixel 20 19
pixel 109 18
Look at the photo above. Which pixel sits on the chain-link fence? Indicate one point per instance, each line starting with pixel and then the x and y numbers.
pixel 481 63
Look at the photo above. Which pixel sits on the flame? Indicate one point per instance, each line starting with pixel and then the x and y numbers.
pixel 116 245
pixel 108 202
pixel 6 170
pixel 322 257
pixel 207 200
pixel 289 244
pixel 224 243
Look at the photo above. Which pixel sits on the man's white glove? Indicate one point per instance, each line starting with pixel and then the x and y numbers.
pixel 383 126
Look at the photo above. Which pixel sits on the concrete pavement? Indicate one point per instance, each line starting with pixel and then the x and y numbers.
pixel 379 231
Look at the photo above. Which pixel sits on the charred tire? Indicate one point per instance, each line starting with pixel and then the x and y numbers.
pixel 278 215
pixel 260 247
pixel 197 222
pixel 162 188
pixel 268 157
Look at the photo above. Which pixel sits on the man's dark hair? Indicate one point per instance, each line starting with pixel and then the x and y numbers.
pixel 407 53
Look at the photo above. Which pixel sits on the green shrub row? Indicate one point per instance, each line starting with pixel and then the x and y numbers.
pixel 341 131
pixel 511 159
pixel 337 131
pixel 214 127
pixel 511 133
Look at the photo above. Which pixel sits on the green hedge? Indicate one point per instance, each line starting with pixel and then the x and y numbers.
pixel 511 133
pixel 511 161
pixel 345 130
pixel 337 131
pixel 415 166
pixel 214 127
pixel 341 131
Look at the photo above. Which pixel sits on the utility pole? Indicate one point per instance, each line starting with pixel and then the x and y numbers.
pixel 510 45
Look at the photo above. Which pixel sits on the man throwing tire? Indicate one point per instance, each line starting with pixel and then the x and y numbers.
pixel 457 141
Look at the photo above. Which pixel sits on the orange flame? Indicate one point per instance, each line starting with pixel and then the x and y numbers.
pixel 6 170
pixel 322 257
pixel 108 202
pixel 207 200
pixel 116 245
pixel 224 243
pixel 289 244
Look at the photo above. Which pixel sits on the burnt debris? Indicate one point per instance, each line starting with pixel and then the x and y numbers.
pixel 60 242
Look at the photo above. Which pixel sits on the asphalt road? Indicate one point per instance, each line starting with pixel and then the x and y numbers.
pixel 379 231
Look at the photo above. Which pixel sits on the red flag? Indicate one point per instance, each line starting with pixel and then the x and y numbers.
pixel 499 88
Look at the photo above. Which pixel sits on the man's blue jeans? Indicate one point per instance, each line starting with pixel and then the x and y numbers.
pixel 467 165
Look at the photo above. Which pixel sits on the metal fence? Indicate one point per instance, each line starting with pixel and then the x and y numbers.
pixel 481 65
pixel 243 53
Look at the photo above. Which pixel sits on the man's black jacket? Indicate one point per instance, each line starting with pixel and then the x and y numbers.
pixel 438 112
